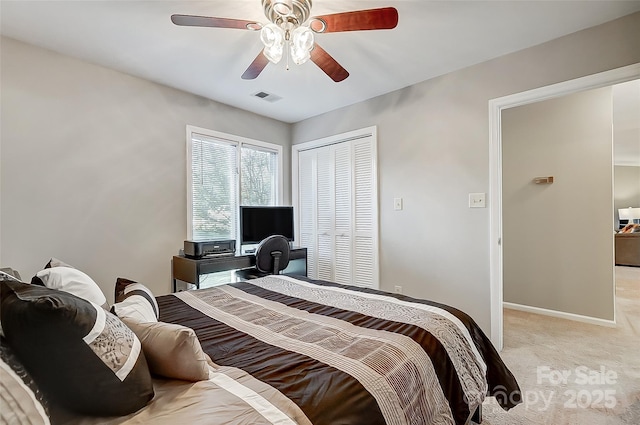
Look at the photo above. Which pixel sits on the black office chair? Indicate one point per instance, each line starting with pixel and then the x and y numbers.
pixel 272 255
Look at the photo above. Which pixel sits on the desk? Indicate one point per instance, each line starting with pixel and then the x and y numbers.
pixel 189 269
pixel 627 246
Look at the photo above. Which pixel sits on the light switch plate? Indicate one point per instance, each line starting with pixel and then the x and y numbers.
pixel 397 204
pixel 477 200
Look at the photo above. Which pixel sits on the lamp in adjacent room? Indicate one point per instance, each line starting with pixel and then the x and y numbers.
pixel 632 215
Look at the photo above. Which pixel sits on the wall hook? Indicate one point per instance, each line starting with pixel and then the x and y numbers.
pixel 543 180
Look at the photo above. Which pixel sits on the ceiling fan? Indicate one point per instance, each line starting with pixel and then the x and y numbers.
pixel 291 32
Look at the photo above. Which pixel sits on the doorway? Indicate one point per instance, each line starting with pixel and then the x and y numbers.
pixel 496 107
pixel 557 239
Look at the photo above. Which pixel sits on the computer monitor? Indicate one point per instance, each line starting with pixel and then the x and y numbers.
pixel 259 222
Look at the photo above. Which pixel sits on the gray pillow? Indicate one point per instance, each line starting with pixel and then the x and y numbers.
pixel 172 350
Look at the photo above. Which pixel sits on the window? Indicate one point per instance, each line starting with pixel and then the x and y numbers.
pixel 224 172
pixel 258 176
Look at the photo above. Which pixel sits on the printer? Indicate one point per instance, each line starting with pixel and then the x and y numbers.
pixel 200 249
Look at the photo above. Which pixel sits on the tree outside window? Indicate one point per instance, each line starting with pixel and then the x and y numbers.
pixel 258 178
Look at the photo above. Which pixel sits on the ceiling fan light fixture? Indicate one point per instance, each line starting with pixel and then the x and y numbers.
pixel 302 41
pixel 299 56
pixel 271 34
pixel 291 28
pixel 272 37
pixel 273 53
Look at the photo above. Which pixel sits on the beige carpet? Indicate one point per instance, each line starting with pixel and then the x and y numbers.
pixel 601 364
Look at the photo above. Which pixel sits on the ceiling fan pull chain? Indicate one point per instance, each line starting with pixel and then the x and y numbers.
pixel 288 54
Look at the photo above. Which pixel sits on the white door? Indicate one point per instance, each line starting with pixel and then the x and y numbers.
pixel 337 206
pixel 325 211
pixel 306 209
pixel 343 214
pixel 365 216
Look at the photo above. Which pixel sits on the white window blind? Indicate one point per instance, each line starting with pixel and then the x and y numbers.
pixel 259 176
pixel 214 189
pixel 224 172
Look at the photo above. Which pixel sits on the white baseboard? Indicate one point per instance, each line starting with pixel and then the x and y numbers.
pixel 560 314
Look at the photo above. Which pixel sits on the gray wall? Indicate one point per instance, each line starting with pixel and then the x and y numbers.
pixel 626 123
pixel 433 149
pixel 94 169
pixel 626 190
pixel 74 136
pixel 557 238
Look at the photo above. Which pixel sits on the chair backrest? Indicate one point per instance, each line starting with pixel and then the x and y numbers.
pixel 272 254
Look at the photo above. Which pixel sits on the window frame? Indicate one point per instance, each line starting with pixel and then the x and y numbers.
pixel 238 142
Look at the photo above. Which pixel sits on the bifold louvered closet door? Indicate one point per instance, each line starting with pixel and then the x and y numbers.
pixel 337 209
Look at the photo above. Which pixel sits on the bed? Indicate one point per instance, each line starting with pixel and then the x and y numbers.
pixel 284 350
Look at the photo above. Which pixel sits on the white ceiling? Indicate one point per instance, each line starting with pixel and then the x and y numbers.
pixel 431 39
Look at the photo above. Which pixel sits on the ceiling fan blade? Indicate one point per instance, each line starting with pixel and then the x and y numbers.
pixel 328 64
pixel 256 67
pixel 207 21
pixel 384 18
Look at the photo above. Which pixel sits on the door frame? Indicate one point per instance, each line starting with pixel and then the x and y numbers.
pixel 602 79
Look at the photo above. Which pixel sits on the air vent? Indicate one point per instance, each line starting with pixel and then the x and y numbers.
pixel 267 96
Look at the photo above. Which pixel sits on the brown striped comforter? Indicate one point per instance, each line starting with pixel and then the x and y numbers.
pixel 345 355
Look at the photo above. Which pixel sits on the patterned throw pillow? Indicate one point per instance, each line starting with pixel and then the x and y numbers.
pixel 134 301
pixel 83 357
pixel 10 274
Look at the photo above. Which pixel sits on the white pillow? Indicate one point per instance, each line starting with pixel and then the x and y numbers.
pixel 54 262
pixel 72 281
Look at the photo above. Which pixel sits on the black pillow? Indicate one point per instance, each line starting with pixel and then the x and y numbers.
pixel 81 356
